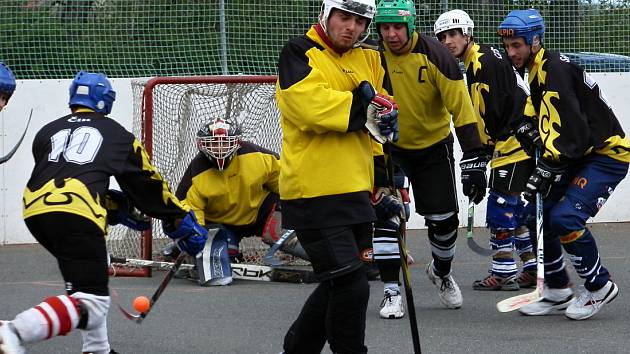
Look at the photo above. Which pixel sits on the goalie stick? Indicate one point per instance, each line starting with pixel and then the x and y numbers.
pixel 519 301
pixel 472 244
pixel 241 271
pixel 6 157
pixel 269 258
pixel 402 248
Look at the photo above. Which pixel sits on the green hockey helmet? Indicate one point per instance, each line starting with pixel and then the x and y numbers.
pixel 396 11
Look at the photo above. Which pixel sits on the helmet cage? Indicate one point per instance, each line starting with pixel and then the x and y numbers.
pixel 454 19
pixel 363 8
pixel 219 141
pixel 396 11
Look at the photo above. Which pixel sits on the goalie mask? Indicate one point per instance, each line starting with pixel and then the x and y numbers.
pixel 219 140
pixel 92 90
pixel 363 8
pixel 7 81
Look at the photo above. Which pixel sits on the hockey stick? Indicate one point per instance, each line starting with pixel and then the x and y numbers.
pixel 269 258
pixel 402 248
pixel 474 246
pixel 240 271
pixel 138 318
pixel 519 301
pixel 6 157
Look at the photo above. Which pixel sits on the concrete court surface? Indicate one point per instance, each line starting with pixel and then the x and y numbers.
pixel 252 317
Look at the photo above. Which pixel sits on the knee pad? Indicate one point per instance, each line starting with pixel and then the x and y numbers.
pixel 442 226
pixel 93 310
pixel 502 211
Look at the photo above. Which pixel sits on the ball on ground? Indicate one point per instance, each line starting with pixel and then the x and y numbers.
pixel 141 304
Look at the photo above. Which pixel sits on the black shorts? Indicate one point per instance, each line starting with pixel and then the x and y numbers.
pixel 335 251
pixel 512 178
pixel 431 172
pixel 79 246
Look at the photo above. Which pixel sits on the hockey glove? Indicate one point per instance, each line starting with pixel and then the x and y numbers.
pixel 120 210
pixel 385 204
pixel 528 136
pixel 473 165
pixel 189 236
pixel 545 175
pixel 382 114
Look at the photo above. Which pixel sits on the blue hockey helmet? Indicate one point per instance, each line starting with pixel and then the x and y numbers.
pixel 92 90
pixel 7 80
pixel 523 23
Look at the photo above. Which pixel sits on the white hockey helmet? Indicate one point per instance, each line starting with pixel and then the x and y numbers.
pixel 219 140
pixel 363 8
pixel 454 19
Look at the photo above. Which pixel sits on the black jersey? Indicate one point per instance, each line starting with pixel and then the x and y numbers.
pixel 76 155
pixel 498 95
pixel 574 117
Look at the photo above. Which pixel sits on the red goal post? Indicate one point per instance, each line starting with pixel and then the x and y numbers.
pixel 167 113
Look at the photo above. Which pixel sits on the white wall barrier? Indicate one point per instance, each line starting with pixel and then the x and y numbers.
pixel 48 99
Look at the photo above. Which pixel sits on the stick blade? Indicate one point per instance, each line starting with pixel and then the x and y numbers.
pixel 516 302
pixel 478 249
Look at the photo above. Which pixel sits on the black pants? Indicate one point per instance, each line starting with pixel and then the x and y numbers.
pixel 335 311
pixel 79 247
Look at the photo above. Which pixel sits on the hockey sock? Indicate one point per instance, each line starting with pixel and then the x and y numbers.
pixel 345 320
pixel 391 288
pixel 555 271
pixel 581 247
pixel 56 316
pixel 442 236
pixel 503 264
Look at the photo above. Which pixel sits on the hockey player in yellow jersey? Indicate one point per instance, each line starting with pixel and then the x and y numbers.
pixel 429 87
pixel 585 154
pixel 67 207
pixel 232 186
pixel 327 83
pixel 499 95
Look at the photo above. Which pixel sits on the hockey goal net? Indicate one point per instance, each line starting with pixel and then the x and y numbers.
pixel 168 112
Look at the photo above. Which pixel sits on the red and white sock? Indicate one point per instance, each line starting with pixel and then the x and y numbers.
pixel 56 316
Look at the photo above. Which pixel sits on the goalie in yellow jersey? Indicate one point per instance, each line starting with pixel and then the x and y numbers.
pixel 232 186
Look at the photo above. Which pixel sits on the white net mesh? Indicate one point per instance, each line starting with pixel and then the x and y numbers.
pixel 180 107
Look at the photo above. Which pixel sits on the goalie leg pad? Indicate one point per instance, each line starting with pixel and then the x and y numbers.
pixel 213 262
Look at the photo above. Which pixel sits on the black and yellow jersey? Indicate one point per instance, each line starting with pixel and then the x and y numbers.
pixel 498 101
pixel 574 117
pixel 429 87
pixel 326 159
pixel 76 155
pixel 232 196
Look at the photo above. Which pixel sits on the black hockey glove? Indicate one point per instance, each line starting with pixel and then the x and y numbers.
pixel 528 136
pixel 545 175
pixel 120 210
pixel 385 204
pixel 473 165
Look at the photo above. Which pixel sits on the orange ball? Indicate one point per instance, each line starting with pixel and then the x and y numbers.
pixel 141 304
